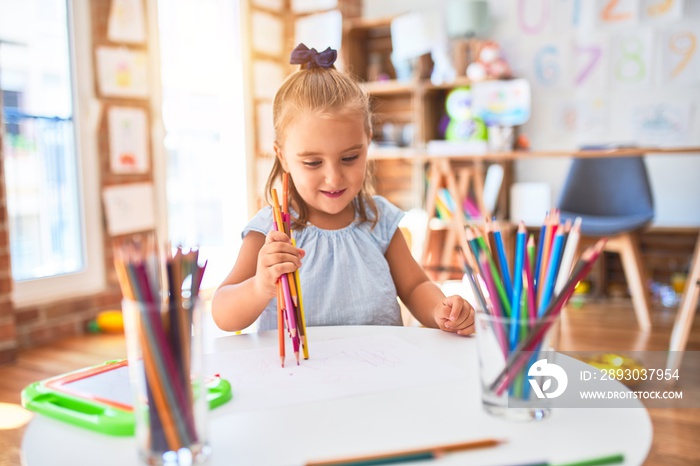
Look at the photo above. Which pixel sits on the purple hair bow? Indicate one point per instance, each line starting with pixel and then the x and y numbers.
pixel 302 55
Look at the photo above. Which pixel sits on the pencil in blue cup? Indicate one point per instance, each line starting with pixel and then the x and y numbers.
pixel 503 261
pixel 500 296
pixel 499 321
pixel 469 272
pixel 551 272
pixel 530 301
pixel 516 305
pixel 568 254
pixel 517 283
pixel 540 248
pixel 547 287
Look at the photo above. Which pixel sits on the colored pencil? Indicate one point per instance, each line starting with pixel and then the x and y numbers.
pixel 488 235
pixel 502 260
pixel 407 455
pixel 277 224
pixel 305 341
pixel 497 314
pixel 500 290
pixel 469 272
pixel 487 275
pixel 517 281
pixel 159 351
pixel 566 229
pixel 544 260
pixel 290 285
pixel 568 255
pixel 551 273
pixel 540 248
pixel 529 275
pixel 280 324
pixel 276 211
pixel 598 461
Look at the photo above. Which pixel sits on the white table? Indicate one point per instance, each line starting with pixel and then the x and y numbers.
pixel 381 420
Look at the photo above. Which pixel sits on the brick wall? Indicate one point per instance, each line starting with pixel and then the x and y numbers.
pixel 8 329
pixel 24 327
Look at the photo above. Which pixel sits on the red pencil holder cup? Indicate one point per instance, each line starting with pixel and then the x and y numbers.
pixel 511 352
pixel 164 348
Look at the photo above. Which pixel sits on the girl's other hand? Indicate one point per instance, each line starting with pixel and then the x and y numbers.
pixel 276 257
pixel 454 314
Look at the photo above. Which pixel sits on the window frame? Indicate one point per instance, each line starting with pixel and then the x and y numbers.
pixel 86 110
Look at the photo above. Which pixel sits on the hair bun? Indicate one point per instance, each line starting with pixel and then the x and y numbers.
pixel 310 58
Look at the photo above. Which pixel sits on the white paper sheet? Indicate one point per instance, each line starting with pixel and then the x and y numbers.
pixel 335 369
pixel 129 208
pixel 126 22
pixel 128 140
pixel 680 57
pixel 122 72
pixel 662 124
pixel 631 59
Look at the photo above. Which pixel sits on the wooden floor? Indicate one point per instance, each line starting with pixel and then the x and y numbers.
pixel 595 326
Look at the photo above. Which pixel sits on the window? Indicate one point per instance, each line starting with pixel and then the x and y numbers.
pixel 50 177
pixel 202 78
pixel 10 102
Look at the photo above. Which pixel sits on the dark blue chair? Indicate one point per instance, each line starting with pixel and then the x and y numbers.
pixel 613 197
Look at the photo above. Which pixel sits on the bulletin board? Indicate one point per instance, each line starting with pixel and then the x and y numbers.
pixel 619 72
pixel 607 71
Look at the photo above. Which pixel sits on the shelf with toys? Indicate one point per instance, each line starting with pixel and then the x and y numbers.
pixel 422 111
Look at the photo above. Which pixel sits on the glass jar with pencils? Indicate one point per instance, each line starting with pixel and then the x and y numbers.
pixel 511 384
pixel 516 315
pixel 163 330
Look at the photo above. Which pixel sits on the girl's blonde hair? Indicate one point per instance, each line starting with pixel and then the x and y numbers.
pixel 323 92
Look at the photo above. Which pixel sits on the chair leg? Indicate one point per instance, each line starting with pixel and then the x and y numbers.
pixel 628 247
pixel 686 312
pixel 448 250
pixel 433 186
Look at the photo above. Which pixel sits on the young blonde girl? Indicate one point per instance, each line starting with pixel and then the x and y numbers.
pixel 356 261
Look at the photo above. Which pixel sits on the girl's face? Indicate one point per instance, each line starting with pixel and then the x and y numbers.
pixel 327 160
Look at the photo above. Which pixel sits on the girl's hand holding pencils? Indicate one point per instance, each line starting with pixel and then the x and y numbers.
pixel 277 257
pixel 454 314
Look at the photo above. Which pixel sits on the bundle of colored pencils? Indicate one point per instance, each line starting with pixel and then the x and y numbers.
pixel 163 325
pixel 527 300
pixel 290 305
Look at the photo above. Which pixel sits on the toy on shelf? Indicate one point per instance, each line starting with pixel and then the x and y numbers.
pixel 489 63
pixel 463 124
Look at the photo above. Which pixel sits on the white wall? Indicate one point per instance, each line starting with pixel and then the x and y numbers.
pixel 607 109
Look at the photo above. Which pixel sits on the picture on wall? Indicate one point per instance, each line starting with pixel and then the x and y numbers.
pixel 128 140
pixel 129 208
pixel 126 22
pixel 122 72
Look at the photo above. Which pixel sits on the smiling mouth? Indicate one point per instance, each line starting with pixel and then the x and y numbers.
pixel 333 194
